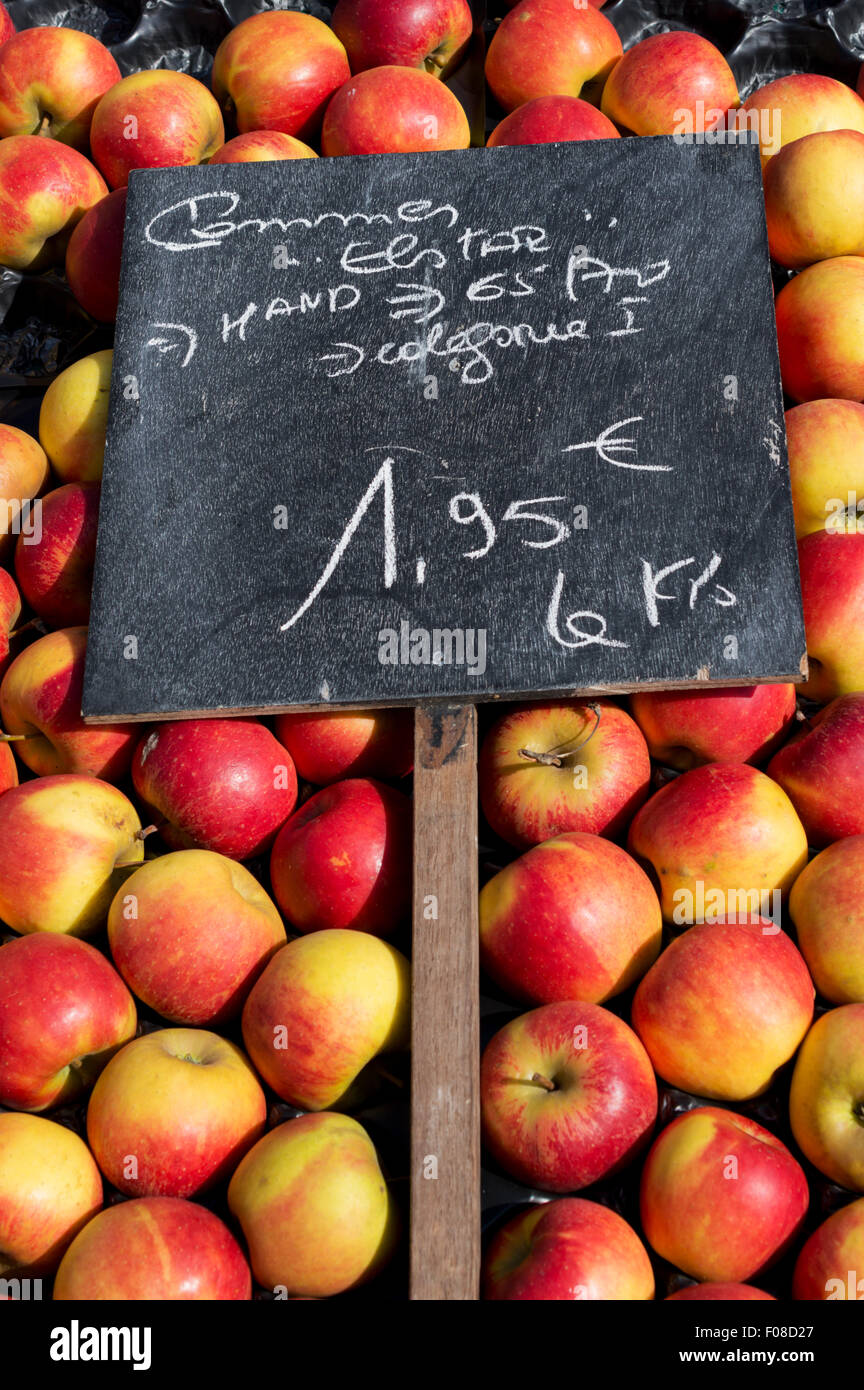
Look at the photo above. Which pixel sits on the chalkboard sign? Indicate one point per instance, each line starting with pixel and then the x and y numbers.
pixel 453 425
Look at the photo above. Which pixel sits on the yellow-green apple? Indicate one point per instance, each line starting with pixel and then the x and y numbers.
pixel 429 34
pixel 10 612
pixel 73 418
pixel 63 844
pixel 93 256
pixel 792 107
pixel 63 1012
pixel 190 932
pixel 676 83
pixel 551 48
pixel 45 188
pixel 825 440
pixel 49 1188
pixel 574 918
pixel 327 1004
pixel 7 28
pixel 50 81
pixel 820 331
pixel 344 859
pixel 814 198
pixel 720 1293
pixel 830 1266
pixel 220 784
pixel 821 769
pixel 393 111
pixel 567 765
pixel 8 769
pixel 721 840
pixel 154 120
pixel 159 1249
pixel 546 120
pixel 173 1113
pixel 353 743
pixel 826 1098
pixel 55 571
pixel 313 1205
pixel 40 700
pixel 568 1096
pixel 277 71
pixel 565 1250
pixel 720 1197
pixel 827 906
pixel 832 596
pixel 259 146
pixel 23 474
pixel 724 1007
pixel 724 724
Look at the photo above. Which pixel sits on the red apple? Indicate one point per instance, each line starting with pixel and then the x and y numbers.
pixel 832 593
pixel 724 724
pixel 820 330
pixel 567 765
pixel 344 859
pixel 792 107
pixel 574 918
pixel 814 199
pixel 358 743
pixel 546 120
pixel 720 1293
pixel 45 188
pixel 668 84
pixel 50 81
pixel 827 906
pixel 220 784
pixel 154 120
pixel 93 257
pixel 826 1098
pixel 830 1266
pixel 430 34
pixel 8 769
pixel 724 1007
pixel 7 28
pixel 821 769
pixel 566 1250
pixel 24 472
pixel 277 71
pixel 551 48
pixel 161 1249
pixel 825 440
pixel 393 110
pixel 568 1096
pixel 173 1113
pixel 10 612
pixel 55 572
pixel 261 145
pixel 63 1012
pixel 49 1188
pixel 720 1197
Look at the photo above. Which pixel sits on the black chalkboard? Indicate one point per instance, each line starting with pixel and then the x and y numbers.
pixel 452 425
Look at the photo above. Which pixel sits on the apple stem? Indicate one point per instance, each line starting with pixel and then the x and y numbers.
pixel 555 757
pixel 44 125
pixel 543 1081
pixel 25 627
pixel 858 1112
pixel 17 738
pixel 388 1076
pixel 140 835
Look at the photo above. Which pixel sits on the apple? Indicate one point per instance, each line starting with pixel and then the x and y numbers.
pixel 219 784
pixel 24 472
pixel 825 440
pixel 326 1004
pixel 720 1293
pixel 720 1197
pixel 393 110
pixel 73 418
pixel 551 48
pixel 723 1008
pixel 568 1096
pixel 261 145
pixel 723 836
pixel 277 71
pixel 10 612
pixel 565 1250
pixel 173 1113
pixel 429 34
pixel 40 699
pixel 820 331
pixel 830 1265
pixel 49 1188
pixel 669 84
pixel 344 859
pixel 350 743
pixel 93 256
pixel 574 918
pixel 826 1098
pixel 792 107
pixel 190 932
pixel 62 840
pixel 45 188
pixel 546 120
pixel 8 769
pixel 814 198
pixel 567 765
pixel 723 724
pixel 154 120
pixel 827 906
pixel 832 590
pixel 821 770
pixel 63 1012
pixel 7 28
pixel 153 1249
pixel 314 1207
pixel 55 573
pixel 50 81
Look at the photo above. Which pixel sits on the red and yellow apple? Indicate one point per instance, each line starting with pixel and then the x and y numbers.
pixel 820 330
pixel 24 472
pixel 830 1266
pixel 551 48
pixel 49 1188
pixel 45 189
pixel 93 256
pixel 55 571
pixel 832 596
pixel 793 107
pixel 429 34
pixel 720 1293
pixel 73 418
pixel 260 146
pixel 826 1098
pixel 393 110
pixel 566 1250
pixel 51 78
pixel 154 120
pixel 351 743
pixel 825 440
pixel 726 724
pixel 547 120
pixel 668 84
pixel 8 768
pixel 814 199
pixel 7 28
pixel 821 769
pixel 10 612
pixel 827 906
